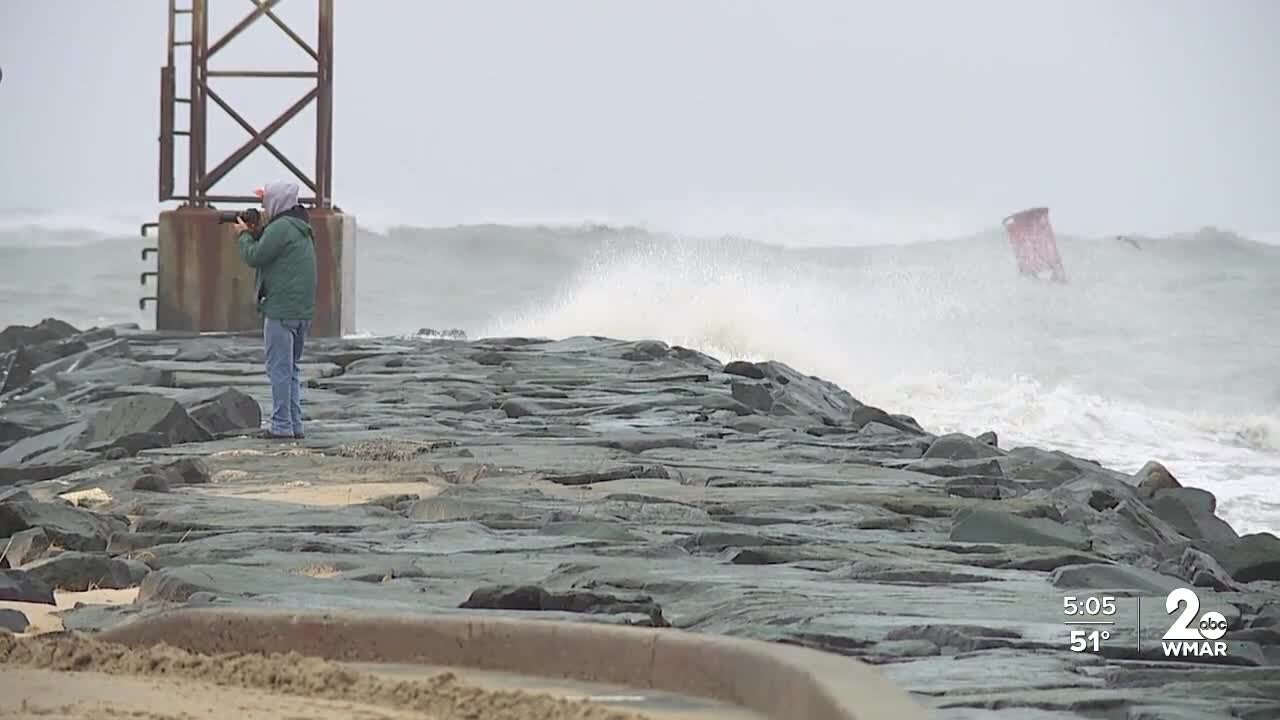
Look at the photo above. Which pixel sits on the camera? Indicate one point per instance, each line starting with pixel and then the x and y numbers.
pixel 250 216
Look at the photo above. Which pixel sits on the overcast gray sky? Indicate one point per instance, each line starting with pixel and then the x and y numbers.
pixel 1118 114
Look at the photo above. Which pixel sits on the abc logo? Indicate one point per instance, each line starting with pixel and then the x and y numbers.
pixel 1210 626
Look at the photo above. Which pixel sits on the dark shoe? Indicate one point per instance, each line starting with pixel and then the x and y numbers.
pixel 268 435
pixel 300 436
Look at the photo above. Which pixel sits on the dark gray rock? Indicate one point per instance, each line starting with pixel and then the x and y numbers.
pixel 1251 557
pixel 864 415
pixel 78 571
pixel 744 369
pixel 48 465
pixel 960 447
pixel 1114 577
pixel 68 527
pixel 991 526
pixel 27 449
pixel 222 411
pixel 129 445
pixel 14 494
pixel 13 620
pixel 755 396
pixel 145 414
pixel 27 546
pixel 11 432
pixel 1190 510
pixel 18 586
pixel 532 597
pixel 1121 524
pixel 47 330
pixel 946 467
pixel 1201 570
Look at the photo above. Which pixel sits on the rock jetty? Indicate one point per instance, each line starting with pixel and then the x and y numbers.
pixel 614 481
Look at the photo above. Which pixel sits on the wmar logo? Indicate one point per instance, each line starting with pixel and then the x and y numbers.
pixel 1187 637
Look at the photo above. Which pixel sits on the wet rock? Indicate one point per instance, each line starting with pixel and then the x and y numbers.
pixel 27 546
pixel 19 586
pixel 68 527
pixel 14 621
pixel 990 526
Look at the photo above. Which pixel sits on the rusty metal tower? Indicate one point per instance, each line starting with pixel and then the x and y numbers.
pixel 201 284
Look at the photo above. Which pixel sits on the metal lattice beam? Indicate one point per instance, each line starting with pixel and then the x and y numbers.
pixel 202 182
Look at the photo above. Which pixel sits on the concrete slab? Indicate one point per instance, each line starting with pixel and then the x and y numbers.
pixel 771 680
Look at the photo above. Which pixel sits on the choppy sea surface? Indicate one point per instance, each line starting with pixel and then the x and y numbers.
pixel 1167 351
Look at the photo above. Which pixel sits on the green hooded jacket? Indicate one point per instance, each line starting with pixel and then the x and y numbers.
pixel 285 261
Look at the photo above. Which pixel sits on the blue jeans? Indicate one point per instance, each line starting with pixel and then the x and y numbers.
pixel 283 340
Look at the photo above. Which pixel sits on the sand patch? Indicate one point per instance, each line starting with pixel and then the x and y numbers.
pixel 285 677
pixel 26 693
pixel 43 619
pixel 305 493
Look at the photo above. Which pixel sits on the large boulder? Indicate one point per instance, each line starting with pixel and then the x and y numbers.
pixel 49 329
pixel 139 414
pixel 66 525
pixel 1191 511
pixel 222 411
pixel 1249 558
pixel 79 571
pixel 18 586
pixel 784 392
pixel 955 446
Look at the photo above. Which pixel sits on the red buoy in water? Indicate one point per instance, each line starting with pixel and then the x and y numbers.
pixel 1034 245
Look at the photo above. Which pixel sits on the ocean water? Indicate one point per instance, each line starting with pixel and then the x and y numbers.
pixel 1167 352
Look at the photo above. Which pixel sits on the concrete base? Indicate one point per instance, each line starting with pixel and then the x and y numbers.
pixel 335 234
pixel 202 285
pixel 776 681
